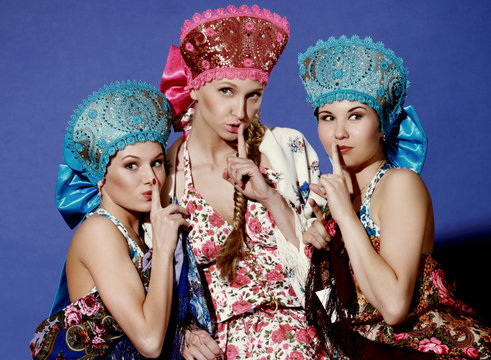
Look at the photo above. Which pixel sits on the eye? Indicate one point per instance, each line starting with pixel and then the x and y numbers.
pixel 254 95
pixel 130 166
pixel 157 163
pixel 355 116
pixel 226 91
pixel 325 117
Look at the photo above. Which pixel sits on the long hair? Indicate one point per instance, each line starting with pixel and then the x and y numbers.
pixel 232 249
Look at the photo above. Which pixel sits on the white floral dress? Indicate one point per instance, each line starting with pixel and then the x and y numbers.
pixel 260 316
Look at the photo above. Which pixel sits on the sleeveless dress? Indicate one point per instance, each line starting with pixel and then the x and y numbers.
pixel 85 329
pixel 259 316
pixel 437 321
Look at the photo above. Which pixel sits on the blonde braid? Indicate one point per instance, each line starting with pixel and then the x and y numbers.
pixel 232 249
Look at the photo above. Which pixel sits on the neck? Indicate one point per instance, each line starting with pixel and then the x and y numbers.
pixel 361 176
pixel 130 219
pixel 208 145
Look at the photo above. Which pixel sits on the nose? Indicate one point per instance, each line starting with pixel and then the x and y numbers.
pixel 239 109
pixel 149 174
pixel 340 130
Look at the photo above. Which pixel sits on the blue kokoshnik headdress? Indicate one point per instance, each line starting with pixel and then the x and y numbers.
pixel 364 71
pixel 110 119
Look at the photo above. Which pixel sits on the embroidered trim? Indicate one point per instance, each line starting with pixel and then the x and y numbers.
pixel 244 10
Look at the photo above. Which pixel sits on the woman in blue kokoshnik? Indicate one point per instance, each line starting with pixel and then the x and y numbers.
pixel 120 290
pixel 384 294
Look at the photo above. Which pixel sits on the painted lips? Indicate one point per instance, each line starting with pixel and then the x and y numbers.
pixel 233 127
pixel 147 195
pixel 344 149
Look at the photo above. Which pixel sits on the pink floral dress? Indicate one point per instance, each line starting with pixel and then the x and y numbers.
pixel 437 321
pixel 259 316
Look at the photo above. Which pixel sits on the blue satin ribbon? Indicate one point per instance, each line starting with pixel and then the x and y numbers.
pixel 76 196
pixel 406 144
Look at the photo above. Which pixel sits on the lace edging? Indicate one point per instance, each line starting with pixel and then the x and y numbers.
pixel 244 10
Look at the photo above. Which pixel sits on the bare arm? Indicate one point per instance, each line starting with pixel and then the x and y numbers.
pixel 386 279
pixel 102 249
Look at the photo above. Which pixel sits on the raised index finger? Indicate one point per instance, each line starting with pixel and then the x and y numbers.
pixel 156 205
pixel 241 148
pixel 336 163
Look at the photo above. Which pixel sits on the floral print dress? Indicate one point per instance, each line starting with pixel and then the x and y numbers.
pixel 437 321
pixel 258 316
pixel 85 328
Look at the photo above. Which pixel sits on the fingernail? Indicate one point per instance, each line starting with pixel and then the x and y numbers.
pixel 154 181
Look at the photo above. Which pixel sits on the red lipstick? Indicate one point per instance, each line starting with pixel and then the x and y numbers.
pixel 344 149
pixel 147 195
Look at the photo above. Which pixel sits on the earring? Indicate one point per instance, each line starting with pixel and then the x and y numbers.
pixel 99 188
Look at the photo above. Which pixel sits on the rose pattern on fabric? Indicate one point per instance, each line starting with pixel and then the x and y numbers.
pixel 441 323
pixel 258 314
pixel 87 328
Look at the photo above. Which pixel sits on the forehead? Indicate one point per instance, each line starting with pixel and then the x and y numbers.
pixel 344 105
pixel 245 85
pixel 147 149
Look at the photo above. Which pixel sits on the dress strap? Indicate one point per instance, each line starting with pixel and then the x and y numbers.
pixel 188 179
pixel 366 219
pixel 134 248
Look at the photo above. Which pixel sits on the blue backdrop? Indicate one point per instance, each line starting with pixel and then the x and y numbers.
pixel 54 53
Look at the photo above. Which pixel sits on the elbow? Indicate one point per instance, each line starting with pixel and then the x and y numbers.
pixel 395 313
pixel 150 348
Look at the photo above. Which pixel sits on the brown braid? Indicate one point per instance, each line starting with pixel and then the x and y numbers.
pixel 233 250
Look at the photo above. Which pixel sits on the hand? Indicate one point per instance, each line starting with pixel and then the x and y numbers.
pixel 199 345
pixel 316 234
pixel 335 190
pixel 165 221
pixel 244 174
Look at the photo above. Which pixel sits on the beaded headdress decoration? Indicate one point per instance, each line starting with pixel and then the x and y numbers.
pixel 360 70
pixel 118 115
pixel 110 119
pixel 244 42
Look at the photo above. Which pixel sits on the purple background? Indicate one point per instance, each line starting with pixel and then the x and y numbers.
pixel 55 53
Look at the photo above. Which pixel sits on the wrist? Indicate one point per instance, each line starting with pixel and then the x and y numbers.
pixel 272 200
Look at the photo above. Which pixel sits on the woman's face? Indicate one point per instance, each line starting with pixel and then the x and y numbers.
pixel 222 105
pixel 129 176
pixel 355 128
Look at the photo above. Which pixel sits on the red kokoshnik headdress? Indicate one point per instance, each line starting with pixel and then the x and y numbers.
pixel 244 42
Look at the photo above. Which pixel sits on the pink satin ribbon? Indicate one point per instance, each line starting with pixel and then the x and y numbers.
pixel 174 81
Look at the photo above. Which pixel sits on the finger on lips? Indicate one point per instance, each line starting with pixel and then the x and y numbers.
pixel 241 149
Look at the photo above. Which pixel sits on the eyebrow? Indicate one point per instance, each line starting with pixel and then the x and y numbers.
pixel 137 157
pixel 355 108
pixel 234 86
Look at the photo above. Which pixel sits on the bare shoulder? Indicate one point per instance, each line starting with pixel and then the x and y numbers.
pixel 96 234
pixel 401 181
pixel 401 189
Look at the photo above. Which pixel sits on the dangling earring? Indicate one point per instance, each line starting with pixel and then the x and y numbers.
pixel 99 188
pixel 383 137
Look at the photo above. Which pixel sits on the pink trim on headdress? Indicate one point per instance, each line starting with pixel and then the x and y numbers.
pixel 229 73
pixel 244 10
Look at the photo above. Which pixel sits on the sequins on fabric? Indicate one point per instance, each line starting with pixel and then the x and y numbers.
pixel 355 70
pixel 244 42
pixel 118 115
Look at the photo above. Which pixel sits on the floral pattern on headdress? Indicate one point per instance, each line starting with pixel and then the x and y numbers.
pixel 243 42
